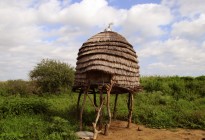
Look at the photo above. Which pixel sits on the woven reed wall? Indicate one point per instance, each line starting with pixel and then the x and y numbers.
pixel 111 53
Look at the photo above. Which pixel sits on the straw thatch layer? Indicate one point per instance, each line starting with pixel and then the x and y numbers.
pixel 108 52
pixel 108 45
pixel 109 58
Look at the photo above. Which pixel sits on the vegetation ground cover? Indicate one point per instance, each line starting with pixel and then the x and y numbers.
pixel 165 102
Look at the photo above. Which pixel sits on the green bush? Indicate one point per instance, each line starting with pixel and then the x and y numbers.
pixel 3 89
pixel 24 127
pixel 34 127
pixel 18 106
pixel 19 87
pixel 164 111
pixel 16 87
pixel 188 88
pixel 52 76
pixel 59 128
pixel 201 78
pixel 34 117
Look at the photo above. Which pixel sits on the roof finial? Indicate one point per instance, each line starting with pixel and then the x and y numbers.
pixel 109 27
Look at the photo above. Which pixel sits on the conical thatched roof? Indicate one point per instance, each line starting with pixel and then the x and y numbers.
pixel 110 53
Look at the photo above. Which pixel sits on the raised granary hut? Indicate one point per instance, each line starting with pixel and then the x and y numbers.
pixel 106 64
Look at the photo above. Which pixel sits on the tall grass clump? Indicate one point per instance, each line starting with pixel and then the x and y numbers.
pixel 17 106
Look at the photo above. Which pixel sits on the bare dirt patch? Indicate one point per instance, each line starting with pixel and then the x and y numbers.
pixel 118 131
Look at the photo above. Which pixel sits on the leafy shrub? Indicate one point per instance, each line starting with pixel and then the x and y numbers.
pixel 51 76
pixel 36 118
pixel 60 129
pixel 201 90
pixel 164 111
pixel 33 127
pixel 151 84
pixel 3 89
pixel 201 78
pixel 24 127
pixel 19 106
pixel 16 87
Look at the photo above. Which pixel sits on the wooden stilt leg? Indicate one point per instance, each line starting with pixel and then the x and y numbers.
pixel 82 108
pixel 101 113
pixel 108 109
pixel 109 114
pixel 78 103
pixel 78 106
pixel 115 107
pixel 130 108
pixel 96 132
pixel 94 98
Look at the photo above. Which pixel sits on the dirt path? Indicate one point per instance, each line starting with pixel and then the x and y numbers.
pixel 118 131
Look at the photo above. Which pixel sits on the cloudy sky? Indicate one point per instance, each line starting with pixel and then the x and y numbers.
pixel 168 35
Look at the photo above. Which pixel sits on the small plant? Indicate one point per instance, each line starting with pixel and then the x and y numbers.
pixel 60 129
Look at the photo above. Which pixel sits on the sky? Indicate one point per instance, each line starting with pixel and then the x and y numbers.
pixel 167 35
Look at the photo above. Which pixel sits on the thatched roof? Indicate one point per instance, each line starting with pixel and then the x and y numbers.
pixel 108 52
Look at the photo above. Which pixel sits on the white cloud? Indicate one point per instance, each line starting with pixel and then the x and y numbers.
pixel 91 13
pixel 178 55
pixel 145 20
pixel 186 8
pixel 161 65
pixel 193 29
pixel 192 7
pixel 31 30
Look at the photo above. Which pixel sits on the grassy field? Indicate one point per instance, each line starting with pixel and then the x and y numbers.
pixel 166 102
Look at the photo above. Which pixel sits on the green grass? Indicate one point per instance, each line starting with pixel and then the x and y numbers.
pixel 166 102
pixel 36 118
pixel 162 111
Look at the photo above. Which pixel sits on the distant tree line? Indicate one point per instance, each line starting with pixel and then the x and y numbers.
pixel 54 77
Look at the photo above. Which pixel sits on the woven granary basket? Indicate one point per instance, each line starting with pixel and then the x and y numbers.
pixel 108 54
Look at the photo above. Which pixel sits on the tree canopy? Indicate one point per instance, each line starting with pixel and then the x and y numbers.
pixel 52 75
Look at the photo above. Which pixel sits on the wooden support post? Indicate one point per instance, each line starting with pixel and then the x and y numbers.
pixel 92 103
pixel 78 103
pixel 101 113
pixel 94 97
pixel 95 131
pixel 115 107
pixel 82 108
pixel 106 129
pixel 130 108
pixel 109 88
pixel 108 106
